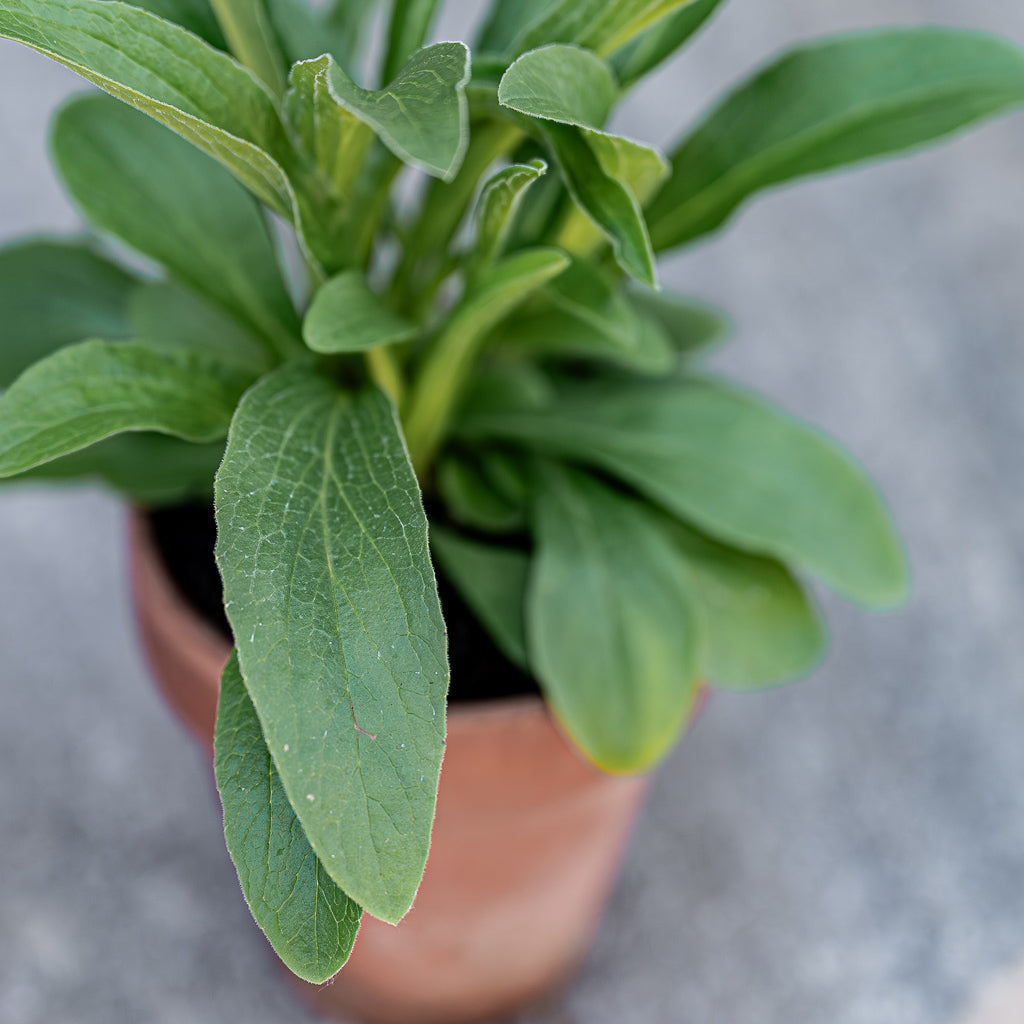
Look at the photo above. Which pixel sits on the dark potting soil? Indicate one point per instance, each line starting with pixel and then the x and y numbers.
pixel 186 535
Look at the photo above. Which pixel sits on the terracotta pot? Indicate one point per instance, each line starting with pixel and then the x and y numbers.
pixel 525 847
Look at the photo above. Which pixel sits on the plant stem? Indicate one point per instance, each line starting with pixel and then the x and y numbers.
pixel 385 373
pixel 251 39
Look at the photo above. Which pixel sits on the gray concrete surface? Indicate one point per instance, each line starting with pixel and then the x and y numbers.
pixel 849 850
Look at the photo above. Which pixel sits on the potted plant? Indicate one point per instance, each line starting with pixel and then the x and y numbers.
pixel 622 525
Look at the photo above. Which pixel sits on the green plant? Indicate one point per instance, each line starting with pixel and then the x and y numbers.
pixel 623 524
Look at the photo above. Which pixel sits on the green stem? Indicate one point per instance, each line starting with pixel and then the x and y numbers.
pixel 251 39
pixel 385 373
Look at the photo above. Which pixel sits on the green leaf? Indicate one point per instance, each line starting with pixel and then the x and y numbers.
pixel 93 389
pixel 588 318
pixel 496 209
pixel 168 73
pixel 480 494
pixel 560 83
pixel 322 546
pixel 53 294
pixel 336 140
pixel 450 359
pixel 346 22
pixel 301 31
pixel 561 86
pixel 601 25
pixel 738 468
pixel 411 22
pixel 661 41
pixel 759 626
pixel 346 316
pixel 309 921
pixel 842 101
pixel 134 178
pixel 151 470
pixel 506 20
pixel 492 582
pixel 642 169
pixel 250 34
pixel 195 15
pixel 169 317
pixel 612 634
pixel 691 326
pixel 422 116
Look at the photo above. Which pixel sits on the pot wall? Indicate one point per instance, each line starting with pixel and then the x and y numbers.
pixel 525 847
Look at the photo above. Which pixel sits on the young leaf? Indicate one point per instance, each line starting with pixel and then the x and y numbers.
pixel 150 470
pixel 449 361
pixel 842 101
pixel 562 87
pixel 322 545
pixel 346 316
pixel 496 209
pixel 560 83
pixel 610 623
pixel 134 178
pixel 53 294
pixel 492 582
pixel 422 116
pixel 309 921
pixel 169 317
pixel 741 470
pixel 588 318
pixel 475 498
pixel 411 21
pixel 168 73
pixel 88 391
pixel 759 627
pixel 690 326
pixel 660 41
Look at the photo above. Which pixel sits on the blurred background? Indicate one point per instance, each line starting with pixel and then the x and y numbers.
pixel 846 850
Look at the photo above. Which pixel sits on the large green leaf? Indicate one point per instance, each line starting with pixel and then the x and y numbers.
pixel 151 470
pixel 168 73
pixel 168 316
pixel 569 92
pixel 660 41
pixel 759 626
pixel 139 181
pixel 451 358
pixel 496 209
pixel 610 623
pixel 484 492
pixel 346 316
pixel 53 294
pixel 422 116
pixel 492 582
pixel 738 468
pixel 88 391
pixel 309 921
pixel 832 103
pixel 411 22
pixel 322 545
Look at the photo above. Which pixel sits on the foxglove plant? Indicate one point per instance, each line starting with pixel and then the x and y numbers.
pixel 623 524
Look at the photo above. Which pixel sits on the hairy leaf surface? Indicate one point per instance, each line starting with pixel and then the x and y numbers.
pixel 496 209
pixel 88 391
pixel 309 921
pixel 610 623
pixel 134 178
pixel 322 546
pixel 54 294
pixel 838 102
pixel 741 470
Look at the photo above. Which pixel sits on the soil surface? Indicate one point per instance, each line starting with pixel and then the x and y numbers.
pixel 186 536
